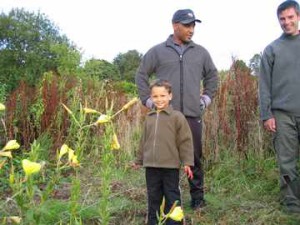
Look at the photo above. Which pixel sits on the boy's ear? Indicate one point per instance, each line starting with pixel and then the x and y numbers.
pixel 170 97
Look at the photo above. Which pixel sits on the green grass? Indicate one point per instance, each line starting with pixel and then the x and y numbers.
pixel 237 192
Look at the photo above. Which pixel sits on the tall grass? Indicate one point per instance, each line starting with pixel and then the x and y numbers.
pixel 241 178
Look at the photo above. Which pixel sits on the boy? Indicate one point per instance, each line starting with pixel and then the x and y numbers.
pixel 165 144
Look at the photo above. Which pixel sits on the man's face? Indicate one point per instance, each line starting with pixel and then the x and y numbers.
pixel 289 21
pixel 183 32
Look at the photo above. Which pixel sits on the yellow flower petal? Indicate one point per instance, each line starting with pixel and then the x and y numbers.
pixel 115 145
pixel 2 107
pixel 15 219
pixel 30 167
pixel 11 145
pixel 74 161
pixel 2 162
pixel 68 110
pixel 177 214
pixel 71 154
pixel 103 119
pixel 88 110
pixel 130 103
pixel 6 154
pixel 63 150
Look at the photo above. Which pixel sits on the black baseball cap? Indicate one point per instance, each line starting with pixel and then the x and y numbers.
pixel 184 16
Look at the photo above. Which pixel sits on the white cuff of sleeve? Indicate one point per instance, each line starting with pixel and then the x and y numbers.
pixel 206 99
pixel 149 103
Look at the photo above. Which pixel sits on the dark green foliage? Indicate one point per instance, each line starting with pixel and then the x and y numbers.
pixel 101 69
pixel 127 64
pixel 127 87
pixel 30 44
pixel 241 65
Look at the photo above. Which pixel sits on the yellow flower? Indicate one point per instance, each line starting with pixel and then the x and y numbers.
pixel 88 110
pixel 177 214
pixel 71 154
pixel 11 145
pixel 15 219
pixel 130 103
pixel 72 158
pixel 63 150
pixel 74 161
pixel 103 119
pixel 30 167
pixel 115 145
pixel 2 107
pixel 6 154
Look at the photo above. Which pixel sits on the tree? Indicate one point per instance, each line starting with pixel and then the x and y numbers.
pixel 241 65
pixel 254 64
pixel 101 69
pixel 127 64
pixel 30 44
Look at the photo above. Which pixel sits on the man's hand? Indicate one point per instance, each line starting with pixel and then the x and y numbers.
pixel 202 105
pixel 135 166
pixel 188 172
pixel 270 125
pixel 149 104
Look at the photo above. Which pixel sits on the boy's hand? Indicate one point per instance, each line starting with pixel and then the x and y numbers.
pixel 188 172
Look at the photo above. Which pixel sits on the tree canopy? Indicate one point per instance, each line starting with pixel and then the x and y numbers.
pixel 127 64
pixel 101 69
pixel 30 44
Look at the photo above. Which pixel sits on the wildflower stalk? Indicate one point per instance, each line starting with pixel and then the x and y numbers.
pixel 107 157
pixel 71 114
pixel 74 202
pixel 107 161
pixel 126 106
pixel 2 109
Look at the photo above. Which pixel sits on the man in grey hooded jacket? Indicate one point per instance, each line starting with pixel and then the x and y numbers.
pixel 186 65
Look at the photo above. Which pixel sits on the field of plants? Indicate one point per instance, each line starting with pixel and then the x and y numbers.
pixel 67 146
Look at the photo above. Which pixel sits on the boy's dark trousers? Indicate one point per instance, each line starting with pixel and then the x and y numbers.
pixel 197 183
pixel 162 182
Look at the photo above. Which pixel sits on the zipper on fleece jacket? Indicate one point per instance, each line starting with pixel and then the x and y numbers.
pixel 155 134
pixel 181 78
pixel 181 82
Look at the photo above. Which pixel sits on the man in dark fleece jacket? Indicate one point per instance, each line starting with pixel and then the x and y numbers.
pixel 280 103
pixel 186 65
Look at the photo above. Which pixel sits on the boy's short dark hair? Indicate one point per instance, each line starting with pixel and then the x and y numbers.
pixel 161 83
pixel 288 4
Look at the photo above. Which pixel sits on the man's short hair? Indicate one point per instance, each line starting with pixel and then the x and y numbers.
pixel 286 5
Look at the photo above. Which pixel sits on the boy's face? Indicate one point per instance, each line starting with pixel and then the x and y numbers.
pixel 160 97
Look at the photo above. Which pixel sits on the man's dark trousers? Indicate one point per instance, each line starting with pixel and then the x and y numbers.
pixel 196 184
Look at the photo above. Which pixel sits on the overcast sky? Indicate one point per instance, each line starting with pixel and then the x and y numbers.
pixel 104 28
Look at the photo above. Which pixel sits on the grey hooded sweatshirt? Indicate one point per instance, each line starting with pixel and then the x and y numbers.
pixel 279 77
pixel 185 71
